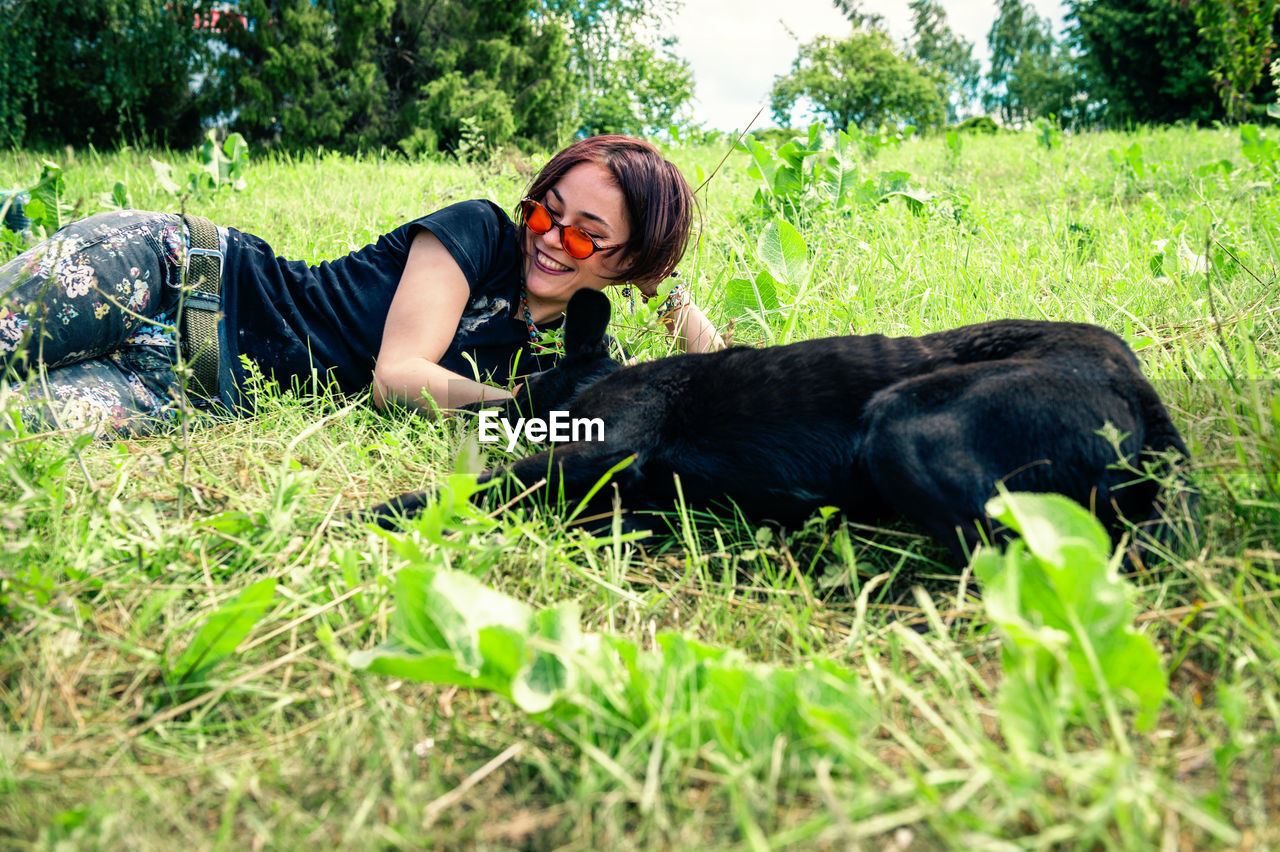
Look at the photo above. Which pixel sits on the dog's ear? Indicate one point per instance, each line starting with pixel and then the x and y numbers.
pixel 585 320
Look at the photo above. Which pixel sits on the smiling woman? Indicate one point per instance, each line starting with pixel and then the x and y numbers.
pixel 101 320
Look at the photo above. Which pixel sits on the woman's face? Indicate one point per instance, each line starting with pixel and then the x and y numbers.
pixel 588 198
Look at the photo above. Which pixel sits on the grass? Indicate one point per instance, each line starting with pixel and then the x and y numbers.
pixel 113 557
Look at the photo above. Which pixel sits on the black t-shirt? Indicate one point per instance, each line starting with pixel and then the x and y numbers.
pixel 290 318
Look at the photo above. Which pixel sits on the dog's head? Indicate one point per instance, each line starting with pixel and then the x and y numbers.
pixel 586 346
pixel 586 360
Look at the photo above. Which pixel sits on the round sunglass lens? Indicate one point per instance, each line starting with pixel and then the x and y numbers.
pixel 537 217
pixel 577 243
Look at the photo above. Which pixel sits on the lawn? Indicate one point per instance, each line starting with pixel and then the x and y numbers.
pixel 186 620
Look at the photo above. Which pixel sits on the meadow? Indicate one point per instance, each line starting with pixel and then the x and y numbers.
pixel 196 650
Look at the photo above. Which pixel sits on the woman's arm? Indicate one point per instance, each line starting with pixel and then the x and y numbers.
pixel 692 330
pixel 423 318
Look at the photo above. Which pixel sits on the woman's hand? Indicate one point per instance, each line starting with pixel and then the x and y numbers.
pixel 421 323
pixel 687 324
pixel 692 330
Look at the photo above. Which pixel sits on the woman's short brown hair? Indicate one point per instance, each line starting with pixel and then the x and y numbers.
pixel 658 199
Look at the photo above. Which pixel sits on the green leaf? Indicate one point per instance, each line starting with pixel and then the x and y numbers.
pixel 784 253
pixel 1066 617
pixel 47 208
pixel 1047 521
pixel 35 211
pixel 231 523
pixel 544 665
pixel 894 181
pixel 223 632
pixel 787 181
pixel 1190 262
pixel 1133 667
pixel 164 176
pixel 549 675
pixel 414 664
pixel 1258 149
pixel 1222 166
pixel 1140 342
pixel 792 154
pixel 412 624
pixel 120 195
pixel 765 162
pixel 459 606
pixel 917 199
pixel 1133 156
pixel 747 298
pixel 841 178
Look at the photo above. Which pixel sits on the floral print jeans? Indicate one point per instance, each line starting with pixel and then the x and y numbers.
pixel 88 325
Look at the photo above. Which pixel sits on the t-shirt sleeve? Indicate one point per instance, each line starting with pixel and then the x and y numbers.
pixel 474 233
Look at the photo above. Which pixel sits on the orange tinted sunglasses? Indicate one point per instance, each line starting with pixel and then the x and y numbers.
pixel 576 242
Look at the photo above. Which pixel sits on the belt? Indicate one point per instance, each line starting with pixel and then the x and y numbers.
pixel 202 308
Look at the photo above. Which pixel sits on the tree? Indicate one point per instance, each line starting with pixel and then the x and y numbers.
pixel 934 44
pixel 305 73
pixel 859 80
pixel 1016 34
pixel 101 72
pixel 1143 60
pixel 628 79
pixel 1243 35
pixel 1032 75
pixel 423 74
pixel 18 80
pixel 1045 82
pixel 644 92
pixel 497 69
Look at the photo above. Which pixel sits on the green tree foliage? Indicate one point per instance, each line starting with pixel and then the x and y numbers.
pixel 860 80
pixel 1243 35
pixel 496 68
pixel 1045 82
pixel 937 46
pixel 18 82
pixel 627 78
pixel 1143 60
pixel 305 72
pixel 1031 74
pixel 426 75
pixel 423 73
pixel 99 71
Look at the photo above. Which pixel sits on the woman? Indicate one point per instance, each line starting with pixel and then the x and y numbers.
pixel 438 313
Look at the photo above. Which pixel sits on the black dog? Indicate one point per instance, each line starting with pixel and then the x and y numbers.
pixel 924 425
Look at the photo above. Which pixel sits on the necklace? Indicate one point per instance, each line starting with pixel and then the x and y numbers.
pixel 535 336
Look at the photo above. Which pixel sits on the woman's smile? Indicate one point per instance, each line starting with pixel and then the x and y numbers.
pixel 586 197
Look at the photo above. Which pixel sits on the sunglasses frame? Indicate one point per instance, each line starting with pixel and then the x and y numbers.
pixel 565 230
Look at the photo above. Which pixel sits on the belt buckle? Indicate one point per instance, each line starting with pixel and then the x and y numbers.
pixel 186 261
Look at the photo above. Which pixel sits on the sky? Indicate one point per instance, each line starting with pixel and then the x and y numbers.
pixel 737 47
